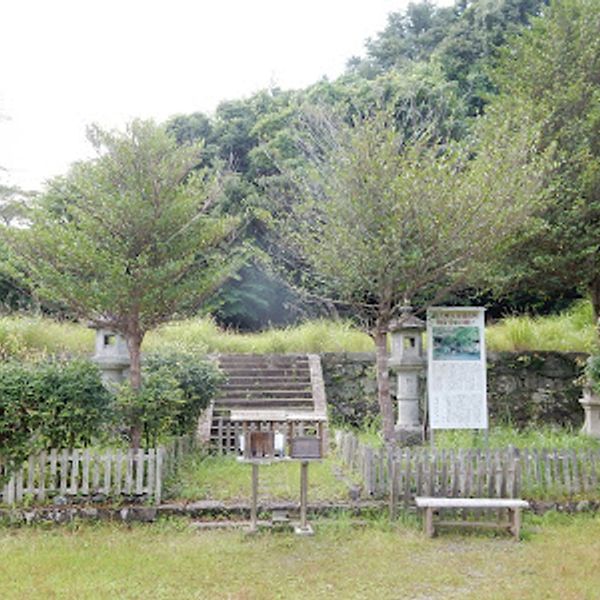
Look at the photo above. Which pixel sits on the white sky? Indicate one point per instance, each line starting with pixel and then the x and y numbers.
pixel 67 63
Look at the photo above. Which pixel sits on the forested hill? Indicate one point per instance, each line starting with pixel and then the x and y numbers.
pixel 428 63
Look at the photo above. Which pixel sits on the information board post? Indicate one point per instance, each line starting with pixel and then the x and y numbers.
pixel 456 368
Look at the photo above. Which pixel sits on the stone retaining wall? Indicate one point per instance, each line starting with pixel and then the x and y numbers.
pixel 527 388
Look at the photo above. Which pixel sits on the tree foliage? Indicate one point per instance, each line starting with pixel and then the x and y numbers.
pixel 552 72
pixel 130 239
pixel 388 220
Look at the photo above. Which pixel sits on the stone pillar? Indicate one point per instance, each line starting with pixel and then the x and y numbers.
pixel 591 407
pixel 408 363
pixel 112 356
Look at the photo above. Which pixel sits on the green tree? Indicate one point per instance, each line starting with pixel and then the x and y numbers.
pixel 553 72
pixel 387 220
pixel 131 239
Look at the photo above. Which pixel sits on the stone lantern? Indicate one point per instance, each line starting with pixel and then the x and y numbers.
pixel 591 406
pixel 408 362
pixel 112 356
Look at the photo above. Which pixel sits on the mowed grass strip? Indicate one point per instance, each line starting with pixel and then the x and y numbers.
pixel 559 560
pixel 224 478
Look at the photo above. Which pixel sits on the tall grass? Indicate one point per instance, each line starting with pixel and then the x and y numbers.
pixel 30 336
pixel 570 331
pixel 203 335
pixel 22 336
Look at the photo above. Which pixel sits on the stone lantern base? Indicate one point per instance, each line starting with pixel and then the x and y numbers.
pixel 591 406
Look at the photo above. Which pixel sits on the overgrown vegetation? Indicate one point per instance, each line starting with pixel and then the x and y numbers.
pixel 26 336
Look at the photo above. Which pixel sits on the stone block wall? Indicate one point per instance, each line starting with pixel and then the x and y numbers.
pixel 527 388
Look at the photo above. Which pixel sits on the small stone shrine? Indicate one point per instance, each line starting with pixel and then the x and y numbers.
pixel 112 356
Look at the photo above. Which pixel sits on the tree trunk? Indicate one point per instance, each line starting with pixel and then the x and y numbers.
pixel 383 384
pixel 134 344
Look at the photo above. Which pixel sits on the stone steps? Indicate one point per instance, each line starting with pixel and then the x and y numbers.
pixel 277 382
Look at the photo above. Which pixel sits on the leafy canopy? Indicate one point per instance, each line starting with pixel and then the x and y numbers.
pixel 131 238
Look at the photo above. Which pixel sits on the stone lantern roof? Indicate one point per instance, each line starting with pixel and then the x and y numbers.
pixel 406 321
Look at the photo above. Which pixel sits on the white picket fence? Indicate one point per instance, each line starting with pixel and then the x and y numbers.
pixel 87 473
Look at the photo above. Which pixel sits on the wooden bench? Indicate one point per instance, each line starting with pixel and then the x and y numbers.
pixel 513 506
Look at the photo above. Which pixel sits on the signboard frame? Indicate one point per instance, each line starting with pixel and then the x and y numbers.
pixel 456 368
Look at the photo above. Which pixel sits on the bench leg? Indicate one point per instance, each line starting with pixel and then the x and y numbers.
pixel 428 522
pixel 515 523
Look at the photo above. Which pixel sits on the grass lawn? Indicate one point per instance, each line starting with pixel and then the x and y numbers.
pixel 559 559
pixel 224 478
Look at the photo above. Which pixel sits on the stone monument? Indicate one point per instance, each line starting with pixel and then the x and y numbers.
pixel 408 362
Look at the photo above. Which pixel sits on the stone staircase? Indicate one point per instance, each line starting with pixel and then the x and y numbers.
pixel 290 383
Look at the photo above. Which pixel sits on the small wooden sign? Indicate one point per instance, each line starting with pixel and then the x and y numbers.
pixel 306 447
pixel 260 444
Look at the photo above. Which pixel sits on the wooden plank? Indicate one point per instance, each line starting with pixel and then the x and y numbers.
pixel 407 478
pixel 159 476
pixel 454 482
pixel 480 465
pixel 19 485
pixel 418 473
pixel 107 460
pixel 593 471
pixel 490 475
pixel 53 468
pixel 42 460
pixel 64 471
pixel 118 484
pixel 393 488
pixel 11 494
pixel 431 472
pixel 525 454
pixel 566 473
pixel 151 471
pixel 443 488
pixel 495 503
pixel 547 470
pixel 556 471
pixel 129 472
pixel 584 471
pixel 74 472
pixel 220 434
pixel 139 471
pixel 95 467
pixel 574 462
pixel 85 472
pixel 31 462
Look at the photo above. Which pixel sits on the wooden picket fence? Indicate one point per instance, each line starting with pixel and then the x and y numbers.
pixel 404 473
pixel 88 473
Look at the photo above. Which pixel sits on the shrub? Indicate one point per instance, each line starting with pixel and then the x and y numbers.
pixel 198 381
pixel 153 409
pixel 592 372
pixel 49 404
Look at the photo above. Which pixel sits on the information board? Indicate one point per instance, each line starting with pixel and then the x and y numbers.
pixel 456 368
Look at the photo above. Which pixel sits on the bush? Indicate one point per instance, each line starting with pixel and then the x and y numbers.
pixel 153 409
pixel 198 381
pixel 592 372
pixel 176 387
pixel 49 404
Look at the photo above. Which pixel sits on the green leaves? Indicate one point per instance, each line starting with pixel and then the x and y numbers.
pixel 131 237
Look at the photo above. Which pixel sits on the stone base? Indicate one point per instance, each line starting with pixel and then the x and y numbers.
pixel 591 406
pixel 305 531
pixel 409 436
